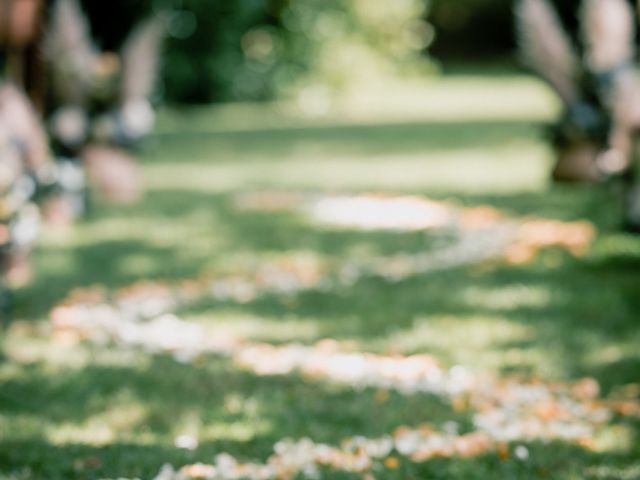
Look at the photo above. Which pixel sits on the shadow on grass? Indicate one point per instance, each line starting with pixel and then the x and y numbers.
pixel 224 402
pixel 99 263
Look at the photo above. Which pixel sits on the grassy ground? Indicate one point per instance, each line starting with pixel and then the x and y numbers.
pixel 92 412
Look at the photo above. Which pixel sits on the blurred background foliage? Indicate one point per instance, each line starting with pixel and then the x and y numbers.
pixel 257 49
pixel 219 50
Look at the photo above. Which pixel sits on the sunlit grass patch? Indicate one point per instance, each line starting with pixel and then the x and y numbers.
pixel 454 98
pixel 463 168
pixel 274 330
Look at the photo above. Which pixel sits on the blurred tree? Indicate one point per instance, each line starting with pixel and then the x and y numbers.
pixel 339 43
pixel 205 60
pixel 255 49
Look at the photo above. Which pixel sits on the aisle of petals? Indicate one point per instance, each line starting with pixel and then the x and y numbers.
pixel 504 410
pixel 507 408
pixel 355 455
pixel 478 229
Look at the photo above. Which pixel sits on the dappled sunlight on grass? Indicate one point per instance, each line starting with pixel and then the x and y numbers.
pixel 71 410
pixel 506 298
pixel 278 329
pixel 504 170
pixel 209 399
pixel 122 417
pixel 468 340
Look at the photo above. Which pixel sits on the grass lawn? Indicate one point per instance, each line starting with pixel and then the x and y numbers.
pixel 93 412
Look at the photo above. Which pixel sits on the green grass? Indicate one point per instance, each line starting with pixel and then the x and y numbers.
pixel 476 140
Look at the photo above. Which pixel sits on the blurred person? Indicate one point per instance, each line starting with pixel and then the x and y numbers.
pixel 101 100
pixel 596 136
pixel 599 91
pixel 25 167
pixel 20 35
pixel 26 178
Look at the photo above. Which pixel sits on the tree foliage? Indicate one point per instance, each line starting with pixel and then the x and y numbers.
pixel 255 49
